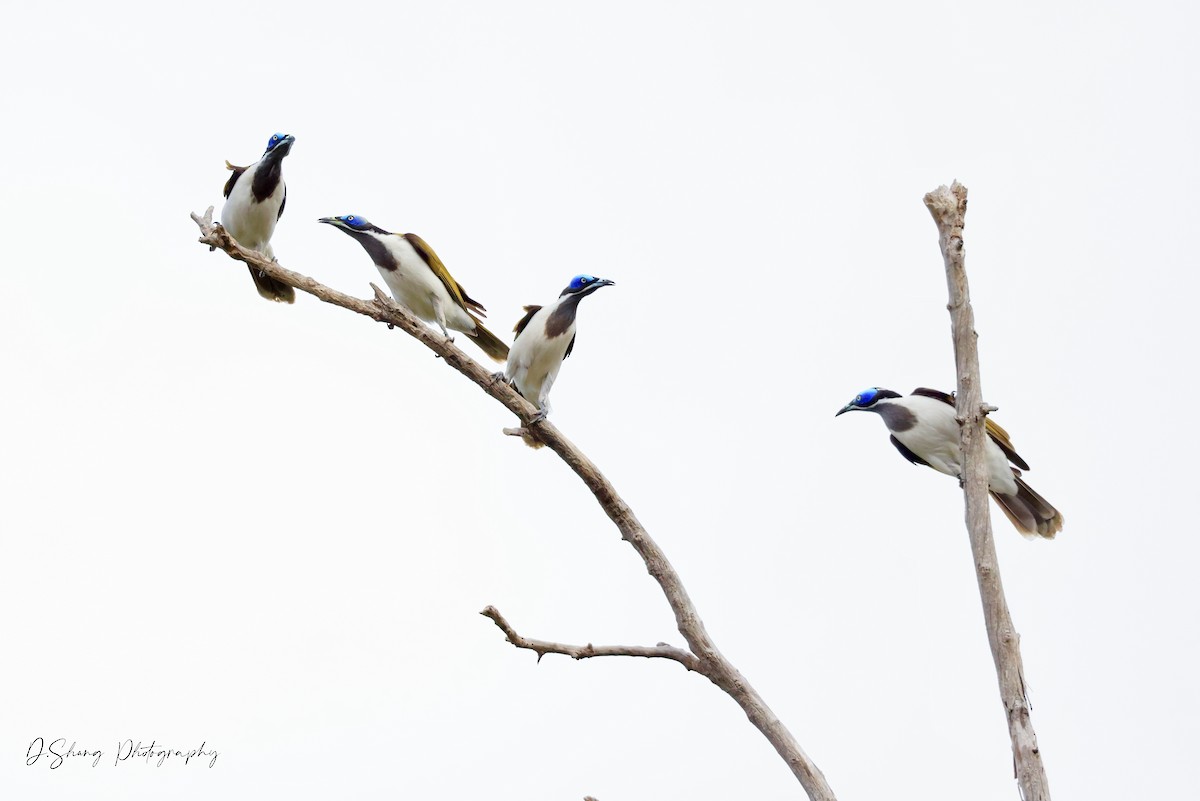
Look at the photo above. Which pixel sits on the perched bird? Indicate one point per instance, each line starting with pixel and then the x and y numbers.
pixel 420 282
pixel 925 430
pixel 546 336
pixel 254 200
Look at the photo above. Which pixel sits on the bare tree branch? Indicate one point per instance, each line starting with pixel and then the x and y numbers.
pixel 708 660
pixel 543 647
pixel 949 208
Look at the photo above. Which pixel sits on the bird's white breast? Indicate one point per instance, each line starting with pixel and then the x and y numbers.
pixel 251 223
pixel 935 438
pixel 414 284
pixel 534 360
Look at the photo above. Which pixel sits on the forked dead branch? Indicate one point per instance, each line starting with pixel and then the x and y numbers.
pixel 702 655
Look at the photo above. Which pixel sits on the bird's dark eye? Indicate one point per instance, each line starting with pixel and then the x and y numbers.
pixel 275 138
pixel 350 218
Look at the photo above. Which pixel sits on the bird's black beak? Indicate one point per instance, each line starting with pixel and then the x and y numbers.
pixel 328 220
pixel 605 282
pixel 849 407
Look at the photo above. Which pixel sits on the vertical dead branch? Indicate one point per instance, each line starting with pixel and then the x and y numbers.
pixel 949 208
pixel 704 658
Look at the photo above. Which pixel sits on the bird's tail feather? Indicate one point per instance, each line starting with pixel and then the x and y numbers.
pixel 272 289
pixel 532 441
pixel 1029 512
pixel 489 342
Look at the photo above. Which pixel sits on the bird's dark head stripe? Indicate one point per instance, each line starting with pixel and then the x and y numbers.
pixel 281 141
pixel 580 287
pixel 361 229
pixel 353 224
pixel 584 285
pixel 867 399
pixel 356 221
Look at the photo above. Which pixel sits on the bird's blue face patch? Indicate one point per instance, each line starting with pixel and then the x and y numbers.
pixel 355 221
pixel 866 397
pixel 274 140
pixel 580 281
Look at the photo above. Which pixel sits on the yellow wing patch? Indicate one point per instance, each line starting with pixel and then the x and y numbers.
pixel 997 433
pixel 453 287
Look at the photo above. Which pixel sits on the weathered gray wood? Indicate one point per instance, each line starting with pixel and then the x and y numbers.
pixel 705 658
pixel 543 647
pixel 949 208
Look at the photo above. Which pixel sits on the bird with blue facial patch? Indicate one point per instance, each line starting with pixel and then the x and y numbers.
pixel 545 337
pixel 924 428
pixel 254 201
pixel 420 282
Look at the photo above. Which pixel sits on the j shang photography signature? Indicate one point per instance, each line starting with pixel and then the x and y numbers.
pixel 56 752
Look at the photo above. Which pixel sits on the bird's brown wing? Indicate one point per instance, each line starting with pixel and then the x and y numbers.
pixel 524 321
pixel 237 173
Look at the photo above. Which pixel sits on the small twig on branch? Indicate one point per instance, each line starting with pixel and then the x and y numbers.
pixel 709 661
pixel 949 208
pixel 543 647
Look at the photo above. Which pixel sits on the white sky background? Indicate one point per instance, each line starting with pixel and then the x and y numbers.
pixel 272 528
